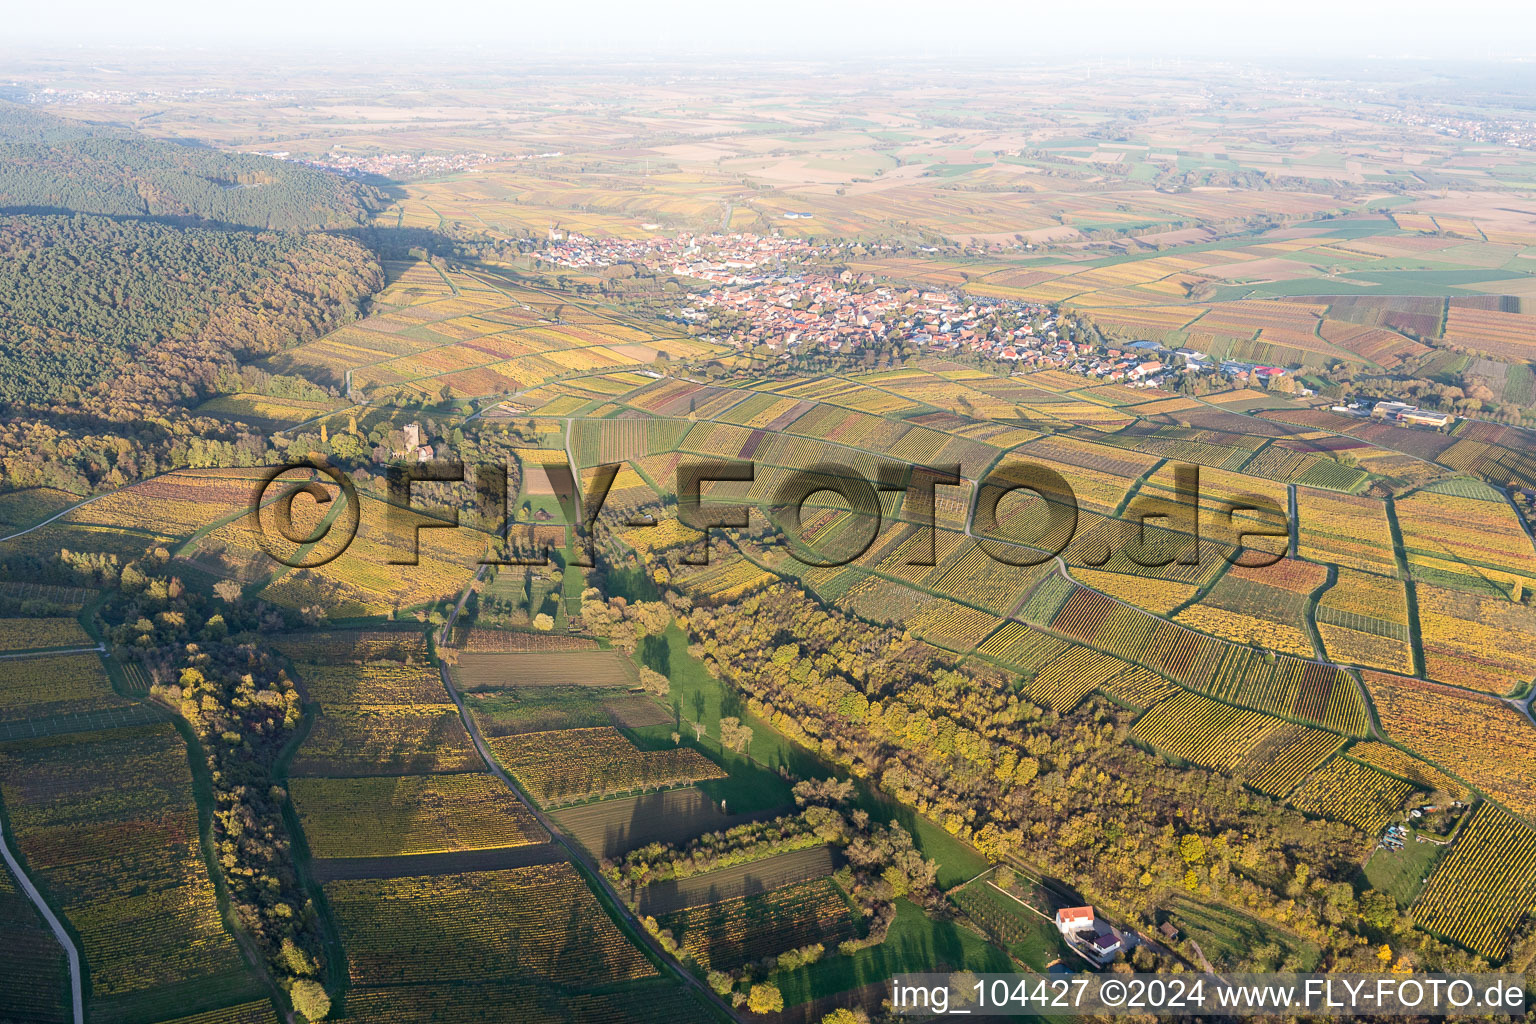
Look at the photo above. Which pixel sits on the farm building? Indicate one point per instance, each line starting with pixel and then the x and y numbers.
pixel 1096 940
pixel 1424 418
pixel 1104 945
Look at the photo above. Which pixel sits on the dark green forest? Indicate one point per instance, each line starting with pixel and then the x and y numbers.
pixel 83 298
pixel 48 164
pixel 137 276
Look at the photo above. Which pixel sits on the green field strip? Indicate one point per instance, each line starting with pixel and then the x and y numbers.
pixel 1415 639
pixel 1309 616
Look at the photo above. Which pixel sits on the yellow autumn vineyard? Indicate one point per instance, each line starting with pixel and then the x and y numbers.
pixel 397 929
pixel 38 633
pixel 1486 885
pixel 1345 790
pixel 388 817
pixel 569 765
pixel 1396 762
pixel 123 861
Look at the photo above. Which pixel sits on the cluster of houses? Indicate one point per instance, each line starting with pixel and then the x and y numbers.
pixel 843 313
pixel 390 165
pixel 1111 365
pixel 1500 132
pixel 793 312
pixel 767 292
pixel 737 259
pixel 764 289
pixel 1149 364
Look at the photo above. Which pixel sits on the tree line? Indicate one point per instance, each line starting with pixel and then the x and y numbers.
pixel 1068 794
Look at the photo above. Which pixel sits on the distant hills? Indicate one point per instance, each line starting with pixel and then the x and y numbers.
pixel 50 164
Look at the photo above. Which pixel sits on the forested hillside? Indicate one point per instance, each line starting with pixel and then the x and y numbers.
pixel 136 276
pixel 51 164
pixel 160 309
pixel 111 330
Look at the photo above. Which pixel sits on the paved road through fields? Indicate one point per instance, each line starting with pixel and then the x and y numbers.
pixel 76 1001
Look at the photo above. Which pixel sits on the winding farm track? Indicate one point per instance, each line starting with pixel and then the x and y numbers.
pixel 77 1003
pixel 118 490
pixel 574 850
pixel 64 512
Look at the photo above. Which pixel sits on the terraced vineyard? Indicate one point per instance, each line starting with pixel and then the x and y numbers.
pixel 258 1011
pixel 1283 686
pixel 37 687
pixel 386 816
pixel 34 981
pixel 731 932
pixel 1476 640
pixel 396 930
pixel 1473 543
pixel 562 668
pixel 383 711
pixel 1396 762
pixel 40 633
pixel 1487 884
pixel 1345 790
pixel 1291 755
pixel 757 875
pixel 122 861
pixel 1363 620
pixel 1263 607
pixel 1188 724
pixel 608 828
pixel 570 765
pixel 1488 743
pixel 641 1003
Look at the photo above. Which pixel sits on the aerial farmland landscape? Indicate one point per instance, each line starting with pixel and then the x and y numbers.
pixel 684 528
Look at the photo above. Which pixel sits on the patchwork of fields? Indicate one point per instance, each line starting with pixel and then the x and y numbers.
pixel 1361 674
pixel 406 858
pixel 1245 668
pixel 476 333
pixel 1260 673
pixel 108 826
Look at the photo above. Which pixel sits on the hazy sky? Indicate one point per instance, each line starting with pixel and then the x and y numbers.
pixel 812 28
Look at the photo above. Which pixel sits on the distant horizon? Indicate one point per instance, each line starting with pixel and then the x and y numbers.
pixel 705 60
pixel 798 29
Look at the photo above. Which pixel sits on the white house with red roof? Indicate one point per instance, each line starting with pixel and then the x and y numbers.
pixel 1097 940
pixel 1070 920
